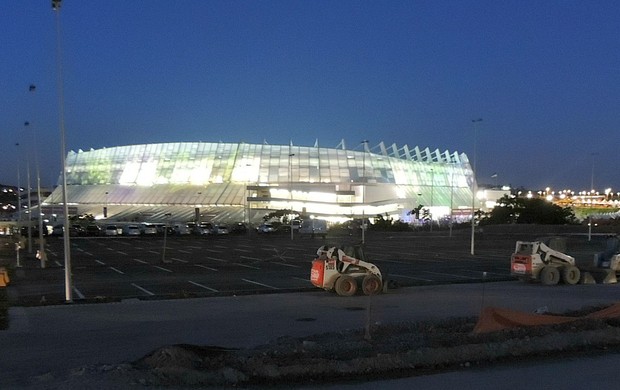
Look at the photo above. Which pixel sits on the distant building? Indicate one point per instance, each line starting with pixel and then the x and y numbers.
pixel 243 182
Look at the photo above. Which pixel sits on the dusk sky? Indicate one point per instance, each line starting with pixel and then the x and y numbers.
pixel 543 75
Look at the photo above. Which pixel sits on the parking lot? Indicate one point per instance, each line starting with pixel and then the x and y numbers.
pixel 113 268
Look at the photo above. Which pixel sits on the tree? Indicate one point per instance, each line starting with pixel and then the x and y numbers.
pixel 511 209
pixel 387 223
pixel 416 211
pixel 280 215
pixel 82 218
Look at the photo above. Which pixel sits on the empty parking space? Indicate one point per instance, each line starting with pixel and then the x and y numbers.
pixel 123 267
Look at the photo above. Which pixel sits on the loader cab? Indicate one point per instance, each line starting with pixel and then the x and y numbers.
pixel 524 248
pixel 355 251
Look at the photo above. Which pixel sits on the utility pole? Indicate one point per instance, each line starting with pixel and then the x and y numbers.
pixel 61 110
pixel 473 188
pixel 41 254
pixel 290 191
pixel 364 181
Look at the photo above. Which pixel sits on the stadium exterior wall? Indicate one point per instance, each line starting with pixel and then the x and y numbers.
pixel 243 182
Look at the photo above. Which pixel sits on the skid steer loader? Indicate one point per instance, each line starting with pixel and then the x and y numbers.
pixel 535 260
pixel 344 272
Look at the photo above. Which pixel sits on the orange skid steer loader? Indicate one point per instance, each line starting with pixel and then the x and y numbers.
pixel 335 270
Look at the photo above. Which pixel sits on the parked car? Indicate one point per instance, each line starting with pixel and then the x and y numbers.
pixel 111 230
pixel 58 230
pixel 163 228
pixel 266 228
pixel 34 229
pixel 131 230
pixel 77 230
pixel 220 229
pixel 93 230
pixel 181 229
pixel 148 229
pixel 202 229
pixel 314 227
pixel 239 228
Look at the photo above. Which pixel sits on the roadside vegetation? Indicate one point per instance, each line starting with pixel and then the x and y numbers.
pixel 512 210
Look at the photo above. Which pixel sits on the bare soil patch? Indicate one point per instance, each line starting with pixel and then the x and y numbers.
pixel 391 350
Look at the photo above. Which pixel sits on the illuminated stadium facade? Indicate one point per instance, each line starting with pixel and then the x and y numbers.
pixel 233 182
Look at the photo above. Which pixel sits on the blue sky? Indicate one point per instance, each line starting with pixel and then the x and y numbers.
pixel 543 75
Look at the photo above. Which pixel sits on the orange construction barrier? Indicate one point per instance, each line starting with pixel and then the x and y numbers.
pixel 4 277
pixel 494 319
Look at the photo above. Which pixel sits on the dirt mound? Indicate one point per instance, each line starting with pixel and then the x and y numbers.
pixel 393 350
pixel 183 356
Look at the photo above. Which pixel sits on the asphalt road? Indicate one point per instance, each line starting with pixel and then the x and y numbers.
pixel 236 272
pixel 116 268
pixel 56 339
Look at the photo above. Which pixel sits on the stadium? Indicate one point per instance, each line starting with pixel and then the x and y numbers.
pixel 232 182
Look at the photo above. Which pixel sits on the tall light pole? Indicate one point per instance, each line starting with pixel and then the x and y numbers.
pixel 473 188
pixel 591 192
pixel 364 181
pixel 432 192
pixel 41 253
pixel 246 205
pixel 451 200
pixel 26 124
pixel 290 190
pixel 105 207
pixel 163 252
pixel 61 119
pixel 19 204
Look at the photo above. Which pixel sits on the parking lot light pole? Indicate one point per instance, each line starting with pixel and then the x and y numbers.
pixel 105 207
pixel 290 190
pixel 66 240
pixel 26 124
pixel 163 252
pixel 591 192
pixel 365 143
pixel 432 193
pixel 473 188
pixel 41 252
pixel 19 206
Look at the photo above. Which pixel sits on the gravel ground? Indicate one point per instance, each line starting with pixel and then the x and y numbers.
pixel 379 351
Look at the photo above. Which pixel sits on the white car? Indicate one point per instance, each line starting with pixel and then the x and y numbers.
pixel 220 229
pixel 202 229
pixel 148 229
pixel 111 230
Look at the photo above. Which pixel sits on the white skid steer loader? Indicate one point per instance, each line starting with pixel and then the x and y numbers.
pixel 534 260
pixel 335 270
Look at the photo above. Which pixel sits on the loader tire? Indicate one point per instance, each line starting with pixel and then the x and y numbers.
pixel 371 285
pixel 345 286
pixel 571 274
pixel 549 276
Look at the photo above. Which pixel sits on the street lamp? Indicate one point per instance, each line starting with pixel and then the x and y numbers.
pixel 290 190
pixel 61 118
pixel 163 252
pixel 473 187
pixel 26 124
pixel 105 207
pixel 365 143
pixel 432 191
pixel 42 256
pixel 592 190
pixel 451 200
pixel 19 205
